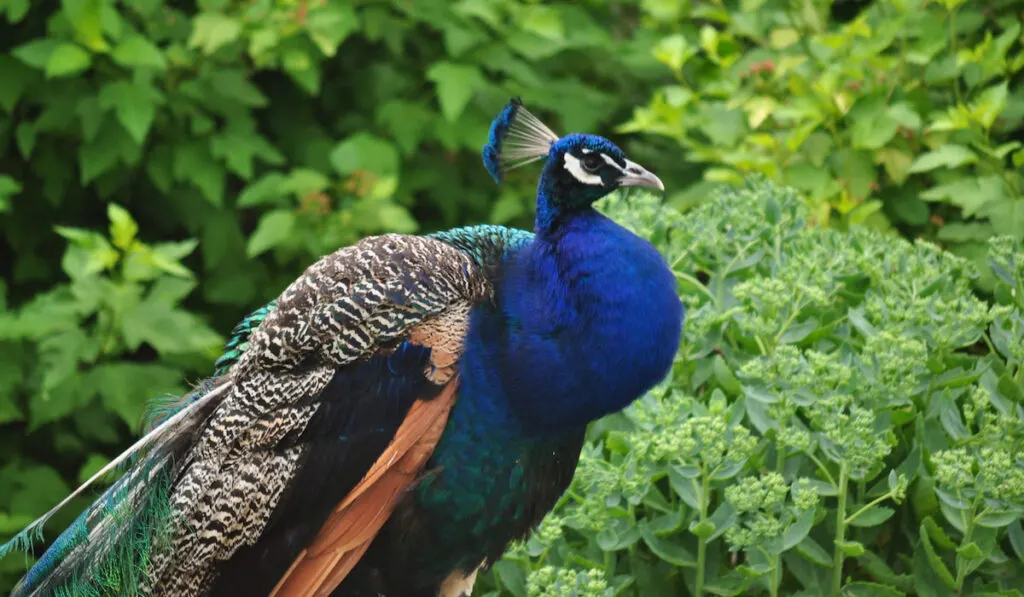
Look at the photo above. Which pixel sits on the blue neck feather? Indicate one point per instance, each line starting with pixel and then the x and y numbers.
pixel 586 319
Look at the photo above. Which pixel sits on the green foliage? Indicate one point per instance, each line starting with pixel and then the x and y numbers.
pixel 845 417
pixel 910 114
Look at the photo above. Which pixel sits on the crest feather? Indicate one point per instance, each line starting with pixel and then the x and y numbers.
pixel 517 137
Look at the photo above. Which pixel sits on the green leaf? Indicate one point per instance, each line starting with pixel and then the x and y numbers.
pixel 947 156
pixel 363 151
pixel 167 329
pixel 851 548
pixel 674 51
pixel 274 228
pixel 456 84
pixel 668 550
pixel 702 529
pixel 1016 535
pixel 810 549
pixel 134 104
pixel 870 589
pixel 329 25
pixel 267 189
pixel 873 516
pixel 67 59
pixel 212 31
pixel 16 78
pixel 16 11
pixel 92 465
pixel 545 21
pixel 991 103
pixel 36 53
pixel 936 563
pixel 873 126
pixel 997 519
pixel 1006 216
pixel 798 531
pixel 9 188
pixel 122 227
pixel 970 551
pixel 126 388
pixel 139 52
pixel 193 163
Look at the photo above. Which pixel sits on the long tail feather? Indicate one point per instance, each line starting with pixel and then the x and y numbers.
pixel 123 508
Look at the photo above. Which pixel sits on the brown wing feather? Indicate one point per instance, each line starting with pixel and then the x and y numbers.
pixel 351 527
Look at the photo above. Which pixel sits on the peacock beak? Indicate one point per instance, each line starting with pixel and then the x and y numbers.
pixel 636 175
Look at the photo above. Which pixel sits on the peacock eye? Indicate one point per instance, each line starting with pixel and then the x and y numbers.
pixel 592 162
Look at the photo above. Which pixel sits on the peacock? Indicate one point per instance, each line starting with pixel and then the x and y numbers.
pixel 400 413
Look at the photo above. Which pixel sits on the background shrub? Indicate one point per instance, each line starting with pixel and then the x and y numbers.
pixel 906 113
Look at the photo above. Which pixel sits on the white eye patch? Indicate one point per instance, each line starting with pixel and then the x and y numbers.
pixel 573 165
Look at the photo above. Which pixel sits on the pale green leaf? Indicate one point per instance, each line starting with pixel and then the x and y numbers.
pixel 212 31
pixel 456 84
pixel 274 228
pixel 122 226
pixel 947 156
pixel 67 59
pixel 139 52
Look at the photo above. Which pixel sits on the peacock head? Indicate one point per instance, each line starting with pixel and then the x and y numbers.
pixel 580 168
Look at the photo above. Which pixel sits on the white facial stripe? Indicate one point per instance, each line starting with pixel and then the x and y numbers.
pixel 613 163
pixel 585 150
pixel 573 165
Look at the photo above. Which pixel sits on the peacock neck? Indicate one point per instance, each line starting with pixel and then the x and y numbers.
pixel 585 319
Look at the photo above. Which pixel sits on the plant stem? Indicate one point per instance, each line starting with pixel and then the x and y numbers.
pixel 961 564
pixel 702 544
pixel 838 555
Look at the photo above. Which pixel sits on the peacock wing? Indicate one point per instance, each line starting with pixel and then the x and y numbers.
pixel 352 526
pixel 326 383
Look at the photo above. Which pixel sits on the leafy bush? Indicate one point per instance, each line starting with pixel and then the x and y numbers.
pixel 845 418
pixel 909 114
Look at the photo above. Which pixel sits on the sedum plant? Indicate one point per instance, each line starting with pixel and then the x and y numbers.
pixel 845 418
pixel 902 113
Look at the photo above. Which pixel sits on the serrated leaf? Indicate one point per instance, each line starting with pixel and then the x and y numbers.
pixel 122 226
pixel 138 52
pixel 456 84
pixel 67 59
pixel 35 53
pixel 126 388
pixel 212 31
pixel 329 25
pixel 947 156
pixel 134 104
pixel 193 163
pixel 363 151
pixel 273 228
pixel 267 189
pixel 934 561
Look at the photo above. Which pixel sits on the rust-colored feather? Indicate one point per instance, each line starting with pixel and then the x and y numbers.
pixel 351 527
